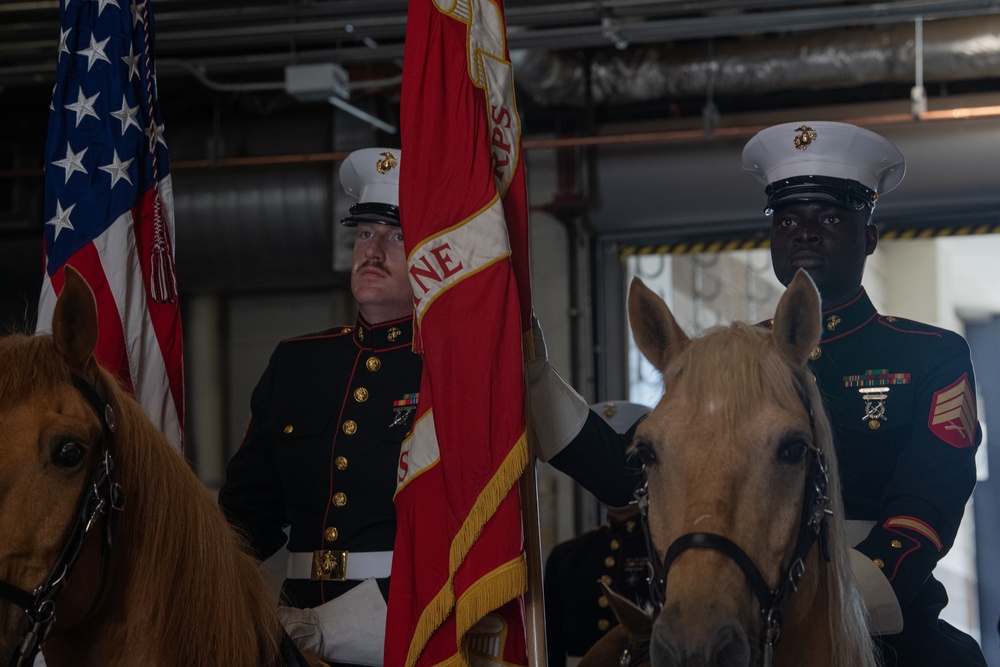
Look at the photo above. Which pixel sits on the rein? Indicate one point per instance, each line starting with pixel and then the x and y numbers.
pixel 813 527
pixel 102 496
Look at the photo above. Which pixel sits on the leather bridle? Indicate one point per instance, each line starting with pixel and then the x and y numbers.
pixel 813 527
pixel 102 496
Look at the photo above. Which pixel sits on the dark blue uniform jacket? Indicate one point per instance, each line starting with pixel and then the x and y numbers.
pixel 901 397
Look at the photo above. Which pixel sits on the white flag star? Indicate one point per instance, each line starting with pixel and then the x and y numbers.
pixel 61 220
pixel 118 170
pixel 137 9
pixel 63 36
pixel 95 51
pixel 132 61
pixel 72 162
pixel 105 3
pixel 127 115
pixel 155 132
pixel 84 106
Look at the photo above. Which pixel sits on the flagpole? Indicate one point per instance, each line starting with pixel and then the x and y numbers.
pixel 534 604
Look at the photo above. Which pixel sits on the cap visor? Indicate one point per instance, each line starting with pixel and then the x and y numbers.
pixel 353 220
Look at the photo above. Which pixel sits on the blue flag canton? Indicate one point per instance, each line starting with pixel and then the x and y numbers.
pixel 98 161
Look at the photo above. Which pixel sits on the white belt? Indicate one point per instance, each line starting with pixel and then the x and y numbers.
pixel 333 565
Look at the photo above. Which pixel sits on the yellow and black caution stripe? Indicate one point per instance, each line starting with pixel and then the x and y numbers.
pixel 939 231
pixel 693 247
pixel 746 243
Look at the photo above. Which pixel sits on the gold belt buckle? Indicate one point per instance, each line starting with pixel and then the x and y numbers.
pixel 329 565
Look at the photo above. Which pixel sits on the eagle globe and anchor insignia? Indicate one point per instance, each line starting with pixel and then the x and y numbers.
pixel 387 163
pixel 805 137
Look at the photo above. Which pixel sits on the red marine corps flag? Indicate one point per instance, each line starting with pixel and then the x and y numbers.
pixel 108 203
pixel 459 567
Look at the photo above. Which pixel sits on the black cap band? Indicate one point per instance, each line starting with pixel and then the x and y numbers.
pixel 385 214
pixel 840 191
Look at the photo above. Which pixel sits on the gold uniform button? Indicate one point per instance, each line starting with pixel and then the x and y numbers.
pixel 339 499
pixel 350 427
pixel 874 424
pixel 606 579
pixel 603 624
pixel 341 463
pixel 609 561
pixel 879 563
pixel 394 333
pixel 288 429
pixel 331 534
pixel 812 376
pixel 360 394
pixel 816 353
pixel 346 330
pixel 896 544
pixel 602 601
pixel 373 364
pixel 615 544
pixel 890 319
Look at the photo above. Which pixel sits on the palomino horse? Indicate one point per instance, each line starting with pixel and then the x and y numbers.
pixel 104 526
pixel 741 481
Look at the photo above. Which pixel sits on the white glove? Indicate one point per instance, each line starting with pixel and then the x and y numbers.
pixel 556 411
pixel 349 628
pixel 884 615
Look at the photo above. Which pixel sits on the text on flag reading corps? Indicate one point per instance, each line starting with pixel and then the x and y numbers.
pixel 491 71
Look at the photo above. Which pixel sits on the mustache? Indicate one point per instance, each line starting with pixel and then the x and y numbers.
pixel 375 264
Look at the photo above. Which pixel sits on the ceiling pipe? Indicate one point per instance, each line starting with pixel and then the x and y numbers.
pixel 802 62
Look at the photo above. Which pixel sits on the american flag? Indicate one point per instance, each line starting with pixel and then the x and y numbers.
pixel 108 200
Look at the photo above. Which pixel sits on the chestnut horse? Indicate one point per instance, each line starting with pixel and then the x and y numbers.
pixel 742 499
pixel 112 552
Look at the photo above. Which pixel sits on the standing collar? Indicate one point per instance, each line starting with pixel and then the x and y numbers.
pixel 849 317
pixel 391 334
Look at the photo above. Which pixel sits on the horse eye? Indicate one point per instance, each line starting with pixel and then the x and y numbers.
pixel 645 452
pixel 792 451
pixel 67 454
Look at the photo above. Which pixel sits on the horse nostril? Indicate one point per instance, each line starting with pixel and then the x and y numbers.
pixel 663 649
pixel 729 648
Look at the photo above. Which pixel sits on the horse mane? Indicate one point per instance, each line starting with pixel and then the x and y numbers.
pixel 175 554
pixel 183 555
pixel 730 360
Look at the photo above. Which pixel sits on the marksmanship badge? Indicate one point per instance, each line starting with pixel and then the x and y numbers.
pixel 874 405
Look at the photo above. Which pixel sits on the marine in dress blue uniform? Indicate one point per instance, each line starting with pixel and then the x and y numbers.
pixel 320 454
pixel 900 394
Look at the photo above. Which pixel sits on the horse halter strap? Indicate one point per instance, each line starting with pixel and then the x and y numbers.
pixel 813 527
pixel 101 496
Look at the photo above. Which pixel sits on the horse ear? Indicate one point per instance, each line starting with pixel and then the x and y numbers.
pixel 74 321
pixel 654 328
pixel 797 321
pixel 637 622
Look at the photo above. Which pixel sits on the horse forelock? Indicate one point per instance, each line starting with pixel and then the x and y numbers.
pixel 29 364
pixel 734 369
